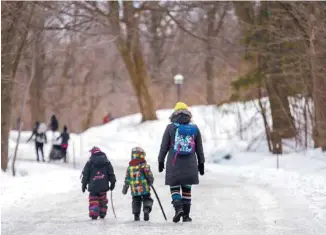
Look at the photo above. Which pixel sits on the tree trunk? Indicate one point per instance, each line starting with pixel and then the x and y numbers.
pixel 131 52
pixel 318 71
pixel 275 81
pixel 141 85
pixel 213 29
pixel 319 97
pixel 156 43
pixel 23 102
pixel 209 67
pixel 280 109
pixel 320 111
pixel 11 47
pixel 93 103
pixel 38 83
pixel 209 58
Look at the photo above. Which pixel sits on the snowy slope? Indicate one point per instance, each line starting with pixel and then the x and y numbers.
pixel 245 195
pixel 223 131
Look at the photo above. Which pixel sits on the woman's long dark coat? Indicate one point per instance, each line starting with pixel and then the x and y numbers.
pixel 185 170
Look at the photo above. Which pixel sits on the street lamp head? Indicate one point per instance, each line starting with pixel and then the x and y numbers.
pixel 178 79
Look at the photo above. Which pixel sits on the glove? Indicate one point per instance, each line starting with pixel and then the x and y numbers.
pixel 201 168
pixel 125 189
pixel 150 183
pixel 160 166
pixel 84 188
pixel 112 186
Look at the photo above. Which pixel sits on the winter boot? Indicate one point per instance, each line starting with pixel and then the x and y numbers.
pixel 178 206
pixel 136 217
pixel 136 207
pixel 94 218
pixel 146 215
pixel 102 216
pixel 147 206
pixel 186 210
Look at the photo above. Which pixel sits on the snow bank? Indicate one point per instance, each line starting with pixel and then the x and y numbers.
pixel 223 131
pixel 34 181
pixel 303 174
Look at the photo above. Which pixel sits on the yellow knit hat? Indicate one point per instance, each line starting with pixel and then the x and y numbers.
pixel 180 106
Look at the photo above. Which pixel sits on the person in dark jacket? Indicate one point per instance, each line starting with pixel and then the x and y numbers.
pixel 139 178
pixel 97 174
pixel 183 143
pixel 40 139
pixel 54 124
pixel 64 142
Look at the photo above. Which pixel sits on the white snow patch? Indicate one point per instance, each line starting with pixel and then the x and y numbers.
pixel 34 181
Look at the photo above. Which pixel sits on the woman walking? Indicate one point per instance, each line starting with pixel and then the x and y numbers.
pixel 182 141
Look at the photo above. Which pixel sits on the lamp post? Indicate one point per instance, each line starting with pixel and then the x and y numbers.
pixel 178 80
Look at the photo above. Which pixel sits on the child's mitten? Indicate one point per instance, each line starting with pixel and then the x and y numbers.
pixel 125 189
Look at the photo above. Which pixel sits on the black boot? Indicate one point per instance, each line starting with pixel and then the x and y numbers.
pixel 136 207
pixel 146 215
pixel 186 210
pixel 147 206
pixel 178 206
pixel 136 217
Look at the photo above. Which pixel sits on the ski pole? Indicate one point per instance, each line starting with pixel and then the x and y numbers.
pixel 112 205
pixel 159 202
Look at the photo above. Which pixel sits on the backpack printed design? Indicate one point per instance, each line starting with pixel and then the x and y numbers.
pixel 99 176
pixel 184 142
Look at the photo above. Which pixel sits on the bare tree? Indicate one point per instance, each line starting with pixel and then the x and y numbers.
pixel 309 21
pixel 263 47
pixel 130 49
pixel 23 102
pixel 13 38
pixel 36 91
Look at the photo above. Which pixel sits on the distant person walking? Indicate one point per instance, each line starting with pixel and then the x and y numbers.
pixel 40 138
pixel 54 124
pixel 64 142
pixel 107 118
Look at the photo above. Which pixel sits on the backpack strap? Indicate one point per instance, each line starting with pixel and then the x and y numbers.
pixel 175 156
pixel 179 147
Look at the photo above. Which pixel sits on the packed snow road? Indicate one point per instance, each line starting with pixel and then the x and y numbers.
pixel 222 204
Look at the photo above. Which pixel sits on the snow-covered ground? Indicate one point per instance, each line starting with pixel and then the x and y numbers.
pixel 35 181
pixel 243 195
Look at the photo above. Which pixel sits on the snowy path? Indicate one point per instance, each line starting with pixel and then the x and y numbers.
pixel 227 205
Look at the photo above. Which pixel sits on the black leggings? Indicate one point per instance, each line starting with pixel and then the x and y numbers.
pixel 39 146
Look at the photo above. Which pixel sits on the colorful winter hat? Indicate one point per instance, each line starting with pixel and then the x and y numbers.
pixel 138 152
pixel 180 106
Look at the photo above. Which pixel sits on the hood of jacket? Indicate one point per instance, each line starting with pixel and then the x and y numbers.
pixel 98 159
pixel 137 156
pixel 181 117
